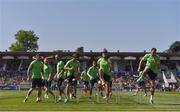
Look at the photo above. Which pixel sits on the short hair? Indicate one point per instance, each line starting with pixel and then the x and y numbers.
pixel 153 49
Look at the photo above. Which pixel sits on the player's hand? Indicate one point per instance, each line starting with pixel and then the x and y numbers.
pixel 56 77
pixel 91 78
pixel 81 78
pixel 71 68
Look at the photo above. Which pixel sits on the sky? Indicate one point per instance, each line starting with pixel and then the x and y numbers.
pixel 124 25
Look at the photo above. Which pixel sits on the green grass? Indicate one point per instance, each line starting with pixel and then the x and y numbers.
pixel 13 101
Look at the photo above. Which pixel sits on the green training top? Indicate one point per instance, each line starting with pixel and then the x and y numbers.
pixel 72 64
pixel 60 67
pixel 93 71
pixel 36 69
pixel 84 76
pixel 104 65
pixel 152 61
pixel 47 70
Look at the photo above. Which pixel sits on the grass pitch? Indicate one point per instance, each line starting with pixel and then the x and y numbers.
pixel 11 100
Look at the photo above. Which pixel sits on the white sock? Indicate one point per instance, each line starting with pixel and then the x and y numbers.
pixel 151 97
pixel 27 97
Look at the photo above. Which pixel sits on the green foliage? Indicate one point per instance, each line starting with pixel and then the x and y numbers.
pixel 80 50
pixel 25 41
pixel 174 47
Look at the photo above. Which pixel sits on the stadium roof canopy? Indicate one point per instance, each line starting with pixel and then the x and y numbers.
pixel 174 58
pixel 130 58
pixel 8 57
pixel 87 55
pixel 23 57
pixel 163 58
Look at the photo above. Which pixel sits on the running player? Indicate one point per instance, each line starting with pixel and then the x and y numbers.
pixel 152 65
pixel 60 75
pixel 85 79
pixel 105 67
pixel 47 78
pixel 73 71
pixel 93 75
pixel 36 67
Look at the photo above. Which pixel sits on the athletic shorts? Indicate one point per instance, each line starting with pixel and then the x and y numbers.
pixel 107 78
pixel 69 78
pixel 86 83
pixel 141 83
pixel 60 81
pixel 93 81
pixel 46 83
pixel 36 83
pixel 151 74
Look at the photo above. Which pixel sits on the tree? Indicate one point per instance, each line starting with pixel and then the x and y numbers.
pixel 174 47
pixel 80 49
pixel 25 41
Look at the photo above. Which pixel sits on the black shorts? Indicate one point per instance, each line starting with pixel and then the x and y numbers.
pixel 86 83
pixel 36 83
pixel 110 83
pixel 93 81
pixel 141 83
pixel 46 83
pixel 60 81
pixel 69 78
pixel 107 78
pixel 151 74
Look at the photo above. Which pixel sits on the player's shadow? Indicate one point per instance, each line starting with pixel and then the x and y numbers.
pixel 174 104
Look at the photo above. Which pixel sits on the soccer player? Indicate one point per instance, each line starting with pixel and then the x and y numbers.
pixel 93 75
pixel 36 68
pixel 85 79
pixel 60 75
pixel 73 71
pixel 105 67
pixel 151 66
pixel 47 78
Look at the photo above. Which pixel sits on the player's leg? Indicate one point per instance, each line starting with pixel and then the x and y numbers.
pixel 85 88
pixel 110 88
pixel 45 88
pixel 152 77
pixel 152 90
pixel 28 94
pixel 69 87
pixel 144 88
pixel 106 92
pixel 74 87
pixel 146 70
pixel 91 87
pixel 137 90
pixel 49 90
pixel 39 85
pixel 60 91
pixel 33 86
pixel 107 80
pixel 101 73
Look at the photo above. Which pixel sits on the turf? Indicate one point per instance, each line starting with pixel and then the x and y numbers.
pixel 164 101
